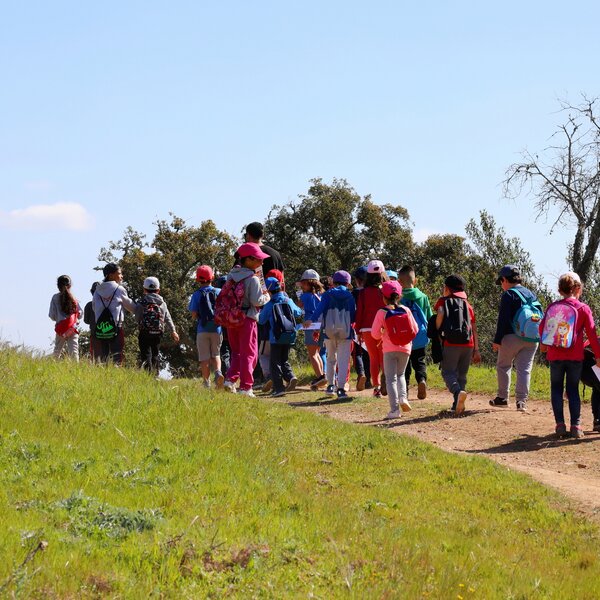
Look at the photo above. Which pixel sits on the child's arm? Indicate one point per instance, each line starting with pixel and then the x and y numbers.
pixel 265 314
pixel 52 310
pixel 296 310
pixel 193 307
pixel 590 330
pixel 476 355
pixel 319 310
pixel 169 323
pixel 377 327
pixel 255 295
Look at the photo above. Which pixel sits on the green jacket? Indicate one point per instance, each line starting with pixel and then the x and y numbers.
pixel 416 295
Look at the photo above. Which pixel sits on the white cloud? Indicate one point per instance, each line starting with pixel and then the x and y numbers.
pixel 62 215
pixel 420 235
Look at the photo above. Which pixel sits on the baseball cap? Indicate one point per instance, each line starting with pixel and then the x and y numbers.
pixel 360 273
pixel 204 273
pixel 508 271
pixel 151 283
pixel 251 249
pixel 272 284
pixel 275 273
pixel 391 287
pixel 375 266
pixel 341 277
pixel 391 274
pixel 309 274
pixel 455 282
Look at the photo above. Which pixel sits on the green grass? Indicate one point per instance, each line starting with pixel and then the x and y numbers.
pixel 141 488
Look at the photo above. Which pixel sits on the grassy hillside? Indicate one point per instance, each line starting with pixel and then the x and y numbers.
pixel 118 485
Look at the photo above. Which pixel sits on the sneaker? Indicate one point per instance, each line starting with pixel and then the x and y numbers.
pixel 560 430
pixel 522 405
pixel 460 403
pixel 267 385
pixel 393 414
pixel 279 394
pixel 422 390
pixel 315 384
pixel 597 425
pixel 330 391
pixel 405 406
pixel 341 394
pixel 497 401
pixel 368 384
pixel 291 386
pixel 360 383
pixel 376 392
pixel 219 380
pixel 576 432
pixel 229 386
pixel 383 386
pixel 248 393
pixel 206 384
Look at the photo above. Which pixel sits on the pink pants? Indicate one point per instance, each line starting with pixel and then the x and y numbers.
pixel 375 350
pixel 243 342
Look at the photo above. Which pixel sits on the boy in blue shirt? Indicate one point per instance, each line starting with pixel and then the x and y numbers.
pixel 282 335
pixel 209 335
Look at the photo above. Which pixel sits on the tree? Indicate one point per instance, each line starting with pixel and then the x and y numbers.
pixel 567 178
pixel 332 227
pixel 175 252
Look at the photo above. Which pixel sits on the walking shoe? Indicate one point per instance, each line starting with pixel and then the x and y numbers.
pixel 248 393
pixel 560 430
pixel 383 386
pixel 576 432
pixel 522 405
pixel 360 383
pixel 267 385
pixel 497 401
pixel 291 386
pixel 597 425
pixel 405 406
pixel 460 403
pixel 330 391
pixel 229 386
pixel 315 384
pixel 278 394
pixel 421 390
pixel 219 380
pixel 206 384
pixel 341 394
pixel 368 384
pixel 376 392
pixel 393 414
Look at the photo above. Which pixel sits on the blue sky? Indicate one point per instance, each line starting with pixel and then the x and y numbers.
pixel 113 114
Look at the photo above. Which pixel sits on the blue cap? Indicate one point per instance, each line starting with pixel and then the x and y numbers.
pixel 391 274
pixel 361 273
pixel 272 284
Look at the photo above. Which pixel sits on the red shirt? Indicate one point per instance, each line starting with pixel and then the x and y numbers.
pixel 370 300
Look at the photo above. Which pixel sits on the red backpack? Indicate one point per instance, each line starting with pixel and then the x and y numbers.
pixel 398 326
pixel 228 304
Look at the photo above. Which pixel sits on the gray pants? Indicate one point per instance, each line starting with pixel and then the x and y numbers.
pixel 514 349
pixel 71 344
pixel 455 366
pixel 394 366
pixel 338 355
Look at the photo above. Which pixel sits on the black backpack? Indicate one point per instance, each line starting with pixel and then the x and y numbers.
pixel 152 321
pixel 283 323
pixel 106 328
pixel 456 326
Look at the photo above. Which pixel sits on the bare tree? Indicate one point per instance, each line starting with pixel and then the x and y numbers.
pixel 566 177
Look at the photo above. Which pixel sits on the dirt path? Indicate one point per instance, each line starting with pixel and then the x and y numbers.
pixel 521 441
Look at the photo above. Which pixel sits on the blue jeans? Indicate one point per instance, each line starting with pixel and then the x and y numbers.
pixel 571 371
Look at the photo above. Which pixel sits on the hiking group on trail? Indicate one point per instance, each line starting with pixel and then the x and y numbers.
pixel 383 324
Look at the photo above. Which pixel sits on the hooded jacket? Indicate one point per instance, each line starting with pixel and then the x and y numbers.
pixel 418 297
pixel 253 295
pixel 103 294
pixel 339 293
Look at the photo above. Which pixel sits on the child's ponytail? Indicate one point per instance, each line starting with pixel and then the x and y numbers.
pixel 394 299
pixel 68 304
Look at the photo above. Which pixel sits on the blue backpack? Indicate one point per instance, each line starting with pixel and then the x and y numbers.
pixel 421 339
pixel 283 323
pixel 527 319
pixel 206 306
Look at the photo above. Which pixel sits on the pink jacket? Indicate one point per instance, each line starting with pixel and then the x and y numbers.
pixel 585 322
pixel 379 332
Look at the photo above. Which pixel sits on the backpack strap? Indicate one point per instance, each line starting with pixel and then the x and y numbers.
pixel 111 298
pixel 521 297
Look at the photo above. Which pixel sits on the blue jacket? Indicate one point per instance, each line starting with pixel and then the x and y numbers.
pixel 266 313
pixel 337 293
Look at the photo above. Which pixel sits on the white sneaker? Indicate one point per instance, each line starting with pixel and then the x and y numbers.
pixel 460 405
pixel 405 406
pixel 229 386
pixel 249 393
pixel 393 414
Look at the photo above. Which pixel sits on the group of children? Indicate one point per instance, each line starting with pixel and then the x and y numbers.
pixel 384 322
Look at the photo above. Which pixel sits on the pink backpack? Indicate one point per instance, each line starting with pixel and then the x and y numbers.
pixel 228 304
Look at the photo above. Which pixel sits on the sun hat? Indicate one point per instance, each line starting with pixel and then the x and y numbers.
pixel 341 277
pixel 391 287
pixel 204 273
pixel 375 266
pixel 152 284
pixel 272 284
pixel 506 272
pixel 309 274
pixel 251 249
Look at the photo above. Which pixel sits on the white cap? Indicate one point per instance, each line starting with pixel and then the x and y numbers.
pixel 375 266
pixel 309 274
pixel 152 284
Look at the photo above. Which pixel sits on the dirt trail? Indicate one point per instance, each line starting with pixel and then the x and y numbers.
pixel 521 441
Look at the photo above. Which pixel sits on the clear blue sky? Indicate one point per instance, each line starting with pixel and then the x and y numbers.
pixel 115 113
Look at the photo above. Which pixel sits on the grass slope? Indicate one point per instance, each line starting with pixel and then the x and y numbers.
pixel 115 484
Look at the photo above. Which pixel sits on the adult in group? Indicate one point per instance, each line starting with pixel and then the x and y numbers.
pixel 512 348
pixel 254 234
pixel 110 298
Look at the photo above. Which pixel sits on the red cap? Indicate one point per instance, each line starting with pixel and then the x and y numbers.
pixel 251 249
pixel 204 273
pixel 275 273
pixel 391 287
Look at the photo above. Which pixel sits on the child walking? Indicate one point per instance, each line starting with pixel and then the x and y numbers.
pixel 66 312
pixel 561 332
pixel 338 310
pixel 362 366
pixel 208 334
pixel 396 327
pixel 455 323
pixel 312 291
pixel 154 319
pixel 281 313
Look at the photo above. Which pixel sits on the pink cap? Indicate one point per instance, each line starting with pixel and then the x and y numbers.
pixel 391 287
pixel 251 249
pixel 204 273
pixel 375 266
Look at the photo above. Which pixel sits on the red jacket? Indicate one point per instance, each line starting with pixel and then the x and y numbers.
pixel 370 300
